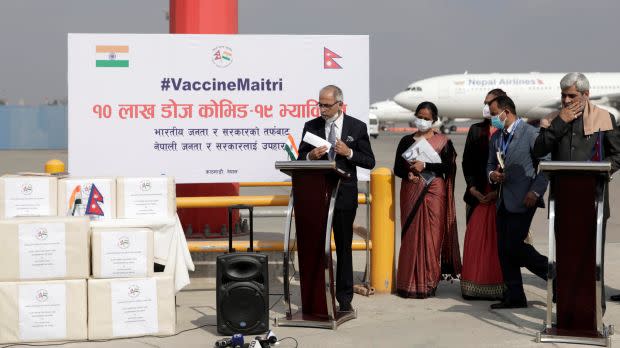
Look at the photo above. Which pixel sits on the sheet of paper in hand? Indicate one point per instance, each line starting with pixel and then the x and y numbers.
pixel 316 141
pixel 421 150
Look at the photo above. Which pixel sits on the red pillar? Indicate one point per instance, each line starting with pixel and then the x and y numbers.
pixel 204 17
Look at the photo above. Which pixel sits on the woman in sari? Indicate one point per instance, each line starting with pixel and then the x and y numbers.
pixel 482 275
pixel 429 241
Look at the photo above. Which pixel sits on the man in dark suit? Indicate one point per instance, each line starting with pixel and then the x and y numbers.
pixel 520 194
pixel 350 148
pixel 581 131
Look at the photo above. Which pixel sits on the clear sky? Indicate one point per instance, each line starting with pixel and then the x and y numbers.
pixel 409 39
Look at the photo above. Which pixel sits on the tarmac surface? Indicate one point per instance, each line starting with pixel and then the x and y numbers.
pixel 383 320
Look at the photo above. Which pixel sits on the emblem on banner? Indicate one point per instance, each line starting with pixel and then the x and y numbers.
pixel 222 56
pixel 329 57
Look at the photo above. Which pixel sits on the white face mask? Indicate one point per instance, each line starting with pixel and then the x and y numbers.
pixel 423 125
pixel 486 111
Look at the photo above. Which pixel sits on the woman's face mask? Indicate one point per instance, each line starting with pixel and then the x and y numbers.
pixel 423 125
pixel 486 111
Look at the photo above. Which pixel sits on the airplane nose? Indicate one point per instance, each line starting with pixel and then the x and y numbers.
pixel 404 99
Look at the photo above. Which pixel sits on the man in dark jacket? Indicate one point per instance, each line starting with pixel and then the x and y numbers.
pixel 350 148
pixel 572 133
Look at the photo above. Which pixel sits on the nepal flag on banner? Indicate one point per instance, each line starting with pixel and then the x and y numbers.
pixel 328 59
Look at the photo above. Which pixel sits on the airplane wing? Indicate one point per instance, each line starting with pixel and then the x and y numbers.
pixel 609 102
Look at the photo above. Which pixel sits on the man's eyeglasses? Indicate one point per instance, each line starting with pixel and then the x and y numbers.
pixel 327 106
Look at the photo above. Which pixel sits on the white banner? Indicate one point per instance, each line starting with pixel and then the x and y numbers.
pixel 203 108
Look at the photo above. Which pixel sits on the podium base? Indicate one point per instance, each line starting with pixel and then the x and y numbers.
pixel 306 320
pixel 553 335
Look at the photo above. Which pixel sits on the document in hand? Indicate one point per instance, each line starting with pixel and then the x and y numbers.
pixel 421 150
pixel 316 141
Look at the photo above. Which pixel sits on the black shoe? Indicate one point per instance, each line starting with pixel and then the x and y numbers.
pixel 345 307
pixel 615 297
pixel 509 304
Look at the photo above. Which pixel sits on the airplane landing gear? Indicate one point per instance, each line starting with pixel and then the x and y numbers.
pixel 447 129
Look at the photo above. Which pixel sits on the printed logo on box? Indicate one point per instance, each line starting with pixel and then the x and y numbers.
pixel 26 189
pixel 41 233
pixel 134 291
pixel 41 295
pixel 145 185
pixel 123 242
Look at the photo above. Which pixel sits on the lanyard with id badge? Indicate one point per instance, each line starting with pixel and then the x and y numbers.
pixel 503 151
pixel 503 145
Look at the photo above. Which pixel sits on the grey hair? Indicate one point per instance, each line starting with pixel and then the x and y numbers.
pixel 579 80
pixel 334 89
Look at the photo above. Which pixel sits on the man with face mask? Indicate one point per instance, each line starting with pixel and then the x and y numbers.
pixel 350 148
pixel 512 165
pixel 580 131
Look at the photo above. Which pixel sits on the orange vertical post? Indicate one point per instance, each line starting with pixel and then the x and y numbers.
pixel 204 17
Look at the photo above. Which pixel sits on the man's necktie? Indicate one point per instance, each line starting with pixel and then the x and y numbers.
pixel 332 140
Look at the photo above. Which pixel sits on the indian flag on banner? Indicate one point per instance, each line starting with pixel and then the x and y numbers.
pixel 291 148
pixel 112 56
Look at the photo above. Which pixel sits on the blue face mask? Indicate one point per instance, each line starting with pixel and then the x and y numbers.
pixel 497 123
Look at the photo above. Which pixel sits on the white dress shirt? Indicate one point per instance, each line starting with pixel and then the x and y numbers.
pixel 338 121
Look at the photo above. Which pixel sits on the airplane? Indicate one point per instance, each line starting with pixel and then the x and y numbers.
pixel 535 94
pixel 389 112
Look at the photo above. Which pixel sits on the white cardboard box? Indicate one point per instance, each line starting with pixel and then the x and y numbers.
pixel 131 307
pixel 146 197
pixel 39 248
pixel 28 196
pixel 74 195
pixel 122 252
pixel 43 311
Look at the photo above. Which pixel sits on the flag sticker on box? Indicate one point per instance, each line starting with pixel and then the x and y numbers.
pixel 112 56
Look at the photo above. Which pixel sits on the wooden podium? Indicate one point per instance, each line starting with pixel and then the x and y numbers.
pixel 313 197
pixel 576 207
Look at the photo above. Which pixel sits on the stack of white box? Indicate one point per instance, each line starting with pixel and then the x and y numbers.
pixel 45 229
pixel 45 264
pixel 124 298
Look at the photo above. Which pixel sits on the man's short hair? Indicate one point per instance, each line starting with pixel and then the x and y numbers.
pixel 579 80
pixel 334 89
pixel 497 92
pixel 505 103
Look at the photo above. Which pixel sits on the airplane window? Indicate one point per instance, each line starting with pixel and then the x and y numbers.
pixel 419 89
pixel 373 108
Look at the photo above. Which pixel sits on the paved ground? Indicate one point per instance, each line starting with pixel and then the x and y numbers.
pixel 383 320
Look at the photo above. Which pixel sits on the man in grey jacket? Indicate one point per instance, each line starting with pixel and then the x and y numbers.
pixel 512 164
